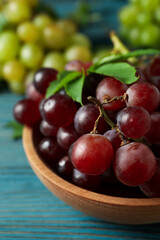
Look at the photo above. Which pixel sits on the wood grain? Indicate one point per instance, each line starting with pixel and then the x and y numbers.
pixel 114 209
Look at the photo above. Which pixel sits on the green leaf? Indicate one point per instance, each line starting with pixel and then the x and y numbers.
pixel 74 88
pixel 17 129
pixel 121 57
pixel 63 78
pixel 122 71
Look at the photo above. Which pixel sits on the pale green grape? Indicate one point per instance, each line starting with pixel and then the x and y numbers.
pixel 157 14
pixel 29 78
pixel 9 45
pixel 17 87
pixel 42 20
pixel 27 32
pixel 17 11
pixel 77 52
pixel 13 71
pixel 67 25
pixel 134 36
pixel 128 14
pixel 54 60
pixel 54 37
pixel 143 18
pixel 80 39
pixel 149 5
pixel 31 55
pixel 150 36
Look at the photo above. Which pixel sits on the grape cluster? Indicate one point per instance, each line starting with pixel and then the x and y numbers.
pixel 140 22
pixel 30 40
pixel 120 149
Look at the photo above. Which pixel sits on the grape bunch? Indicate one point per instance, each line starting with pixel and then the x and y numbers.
pixel 109 144
pixel 30 40
pixel 140 23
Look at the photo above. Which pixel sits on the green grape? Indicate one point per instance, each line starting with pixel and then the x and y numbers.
pixel 67 25
pixel 54 37
pixel 134 36
pixel 17 87
pixel 27 32
pixel 31 55
pixel 29 78
pixel 42 20
pixel 80 39
pixel 54 60
pixel 13 70
pixel 157 15
pixel 127 15
pixel 150 36
pixel 149 5
pixel 78 52
pixel 143 18
pixel 17 11
pixel 9 45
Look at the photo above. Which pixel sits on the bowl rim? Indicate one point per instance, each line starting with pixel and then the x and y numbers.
pixel 46 172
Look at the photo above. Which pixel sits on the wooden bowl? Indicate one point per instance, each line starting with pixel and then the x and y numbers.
pixel 114 209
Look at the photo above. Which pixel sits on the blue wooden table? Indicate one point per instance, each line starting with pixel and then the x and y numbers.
pixel 29 211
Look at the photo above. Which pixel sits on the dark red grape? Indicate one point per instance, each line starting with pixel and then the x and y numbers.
pixel 43 77
pixel 154 68
pixel 134 164
pixel 33 94
pixel 134 122
pixel 85 119
pixel 110 87
pixel 153 136
pixel 66 136
pixel 59 110
pixel 144 95
pixel 47 130
pixel 92 154
pixel 151 188
pixel 109 177
pixel 65 168
pixel 50 151
pixel 141 75
pixel 86 181
pixel 114 138
pixel 156 81
pixel 26 112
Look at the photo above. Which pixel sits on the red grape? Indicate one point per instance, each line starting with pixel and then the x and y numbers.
pixel 151 188
pixel 50 151
pixel 134 122
pixel 59 110
pixel 26 112
pixel 74 65
pixel 110 87
pixel 144 95
pixel 153 136
pixel 154 68
pixel 65 168
pixel 43 78
pixel 85 181
pixel 134 164
pixel 33 94
pixel 47 130
pixel 92 154
pixel 156 81
pixel 114 138
pixel 85 119
pixel 66 136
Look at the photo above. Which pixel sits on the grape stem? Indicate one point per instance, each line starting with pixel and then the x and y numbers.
pixel 107 99
pixel 107 119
